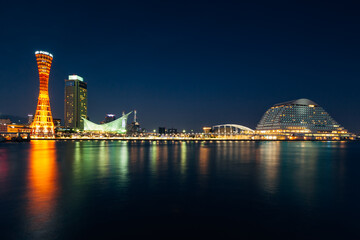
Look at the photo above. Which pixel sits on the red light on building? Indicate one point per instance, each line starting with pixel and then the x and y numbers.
pixel 42 124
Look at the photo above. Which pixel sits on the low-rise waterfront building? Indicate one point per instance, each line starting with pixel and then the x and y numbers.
pixel 206 130
pixel 3 124
pixel 116 126
pixel 162 130
pixel 172 131
pixel 18 128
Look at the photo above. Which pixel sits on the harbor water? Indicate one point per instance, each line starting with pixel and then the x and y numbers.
pixel 120 189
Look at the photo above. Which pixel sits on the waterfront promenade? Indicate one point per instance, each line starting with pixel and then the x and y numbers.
pixel 146 139
pixel 179 139
pixel 10 137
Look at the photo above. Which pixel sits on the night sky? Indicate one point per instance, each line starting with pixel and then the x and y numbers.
pixel 185 64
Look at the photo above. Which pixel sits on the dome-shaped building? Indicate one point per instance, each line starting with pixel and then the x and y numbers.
pixel 300 119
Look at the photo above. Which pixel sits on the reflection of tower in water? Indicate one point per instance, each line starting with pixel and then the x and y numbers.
pixel 42 180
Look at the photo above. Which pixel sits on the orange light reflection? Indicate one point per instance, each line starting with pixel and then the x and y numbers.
pixel 42 179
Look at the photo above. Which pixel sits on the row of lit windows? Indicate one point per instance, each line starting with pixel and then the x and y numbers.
pixel 312 117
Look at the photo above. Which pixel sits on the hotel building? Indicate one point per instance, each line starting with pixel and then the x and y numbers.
pixel 300 119
pixel 75 102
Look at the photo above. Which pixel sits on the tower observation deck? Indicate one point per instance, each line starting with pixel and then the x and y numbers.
pixel 42 124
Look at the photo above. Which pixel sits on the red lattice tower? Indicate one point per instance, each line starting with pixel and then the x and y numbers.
pixel 43 124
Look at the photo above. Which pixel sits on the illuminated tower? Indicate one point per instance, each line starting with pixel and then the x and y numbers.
pixel 42 124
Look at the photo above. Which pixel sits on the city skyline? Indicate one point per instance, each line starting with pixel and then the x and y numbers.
pixel 234 69
pixel 187 119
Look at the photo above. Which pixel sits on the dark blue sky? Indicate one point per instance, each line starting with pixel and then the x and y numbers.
pixel 185 64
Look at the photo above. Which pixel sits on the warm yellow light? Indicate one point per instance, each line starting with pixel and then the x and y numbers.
pixel 43 123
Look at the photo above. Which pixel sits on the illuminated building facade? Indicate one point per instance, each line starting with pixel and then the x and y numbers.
pixel 75 102
pixel 18 128
pixel 3 124
pixel 30 118
pixel 227 131
pixel 300 119
pixel 42 124
pixel 117 126
pixel 109 118
pixel 231 129
pixel 206 130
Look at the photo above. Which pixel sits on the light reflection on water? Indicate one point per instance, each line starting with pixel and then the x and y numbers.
pixel 123 164
pixel 183 158
pixel 4 172
pixel 58 184
pixel 268 160
pixel 42 187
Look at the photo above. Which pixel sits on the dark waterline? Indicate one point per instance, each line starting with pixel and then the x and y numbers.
pixel 244 190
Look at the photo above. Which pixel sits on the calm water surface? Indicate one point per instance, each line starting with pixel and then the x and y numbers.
pixel 244 190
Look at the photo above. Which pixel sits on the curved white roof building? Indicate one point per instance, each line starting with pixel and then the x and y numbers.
pixel 116 126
